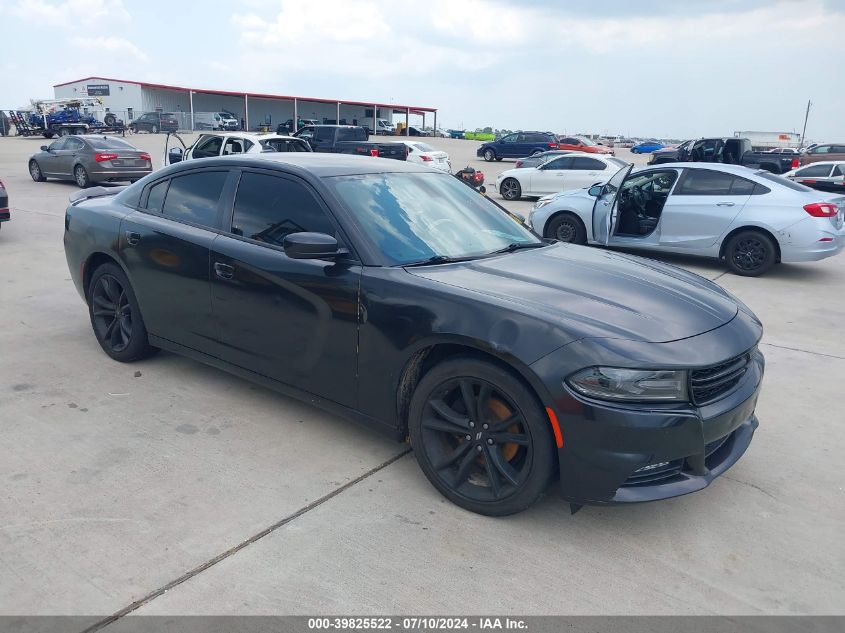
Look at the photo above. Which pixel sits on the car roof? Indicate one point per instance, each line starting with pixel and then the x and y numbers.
pixel 823 162
pixel 320 164
pixel 252 136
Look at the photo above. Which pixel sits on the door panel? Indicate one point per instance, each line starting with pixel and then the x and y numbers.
pixel 289 319
pixel 168 268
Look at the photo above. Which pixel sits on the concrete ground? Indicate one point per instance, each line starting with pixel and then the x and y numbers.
pixel 126 483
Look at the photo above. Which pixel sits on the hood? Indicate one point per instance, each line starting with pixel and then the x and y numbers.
pixel 595 293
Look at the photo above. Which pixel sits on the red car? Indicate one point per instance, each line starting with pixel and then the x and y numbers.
pixel 4 205
pixel 581 144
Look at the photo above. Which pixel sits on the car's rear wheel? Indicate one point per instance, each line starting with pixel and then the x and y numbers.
pixel 115 316
pixel 480 437
pixel 750 253
pixel 510 189
pixel 489 155
pixel 566 227
pixel 35 171
pixel 80 175
pixel 64 131
pixel 154 129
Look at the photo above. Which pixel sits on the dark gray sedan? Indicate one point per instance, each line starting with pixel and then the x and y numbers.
pixel 88 159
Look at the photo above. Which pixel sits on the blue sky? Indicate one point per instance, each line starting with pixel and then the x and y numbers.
pixel 647 68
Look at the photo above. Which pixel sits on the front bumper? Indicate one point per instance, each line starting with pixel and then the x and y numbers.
pixel 616 453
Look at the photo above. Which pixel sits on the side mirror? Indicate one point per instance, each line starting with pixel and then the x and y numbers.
pixel 307 245
pixel 44 148
pixel 174 155
pixel 595 190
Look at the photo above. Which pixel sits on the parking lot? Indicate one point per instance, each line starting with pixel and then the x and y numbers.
pixel 143 482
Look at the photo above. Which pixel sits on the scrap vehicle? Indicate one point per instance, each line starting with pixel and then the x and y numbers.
pixel 64 117
pixel 349 139
pixel 730 150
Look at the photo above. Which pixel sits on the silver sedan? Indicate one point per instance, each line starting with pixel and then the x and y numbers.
pixel 88 159
pixel 750 219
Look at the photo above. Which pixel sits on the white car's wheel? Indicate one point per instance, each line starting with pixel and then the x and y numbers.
pixel 510 189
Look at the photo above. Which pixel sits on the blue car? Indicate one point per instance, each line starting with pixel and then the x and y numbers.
pixel 647 147
pixel 517 145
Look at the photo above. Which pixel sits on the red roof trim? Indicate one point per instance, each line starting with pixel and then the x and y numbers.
pixel 255 95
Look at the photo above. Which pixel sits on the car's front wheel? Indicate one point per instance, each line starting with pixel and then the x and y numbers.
pixel 750 253
pixel 115 315
pixel 35 171
pixel 154 129
pixel 481 437
pixel 566 227
pixel 489 155
pixel 510 189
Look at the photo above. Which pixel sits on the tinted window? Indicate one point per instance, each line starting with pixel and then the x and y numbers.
pixel 822 149
pixel 208 147
pixel 324 133
pixel 838 171
pixel 268 208
pixel 57 145
pixel 704 182
pixel 564 162
pixel 108 142
pixel 814 170
pixel 155 199
pixel 233 146
pixel 570 141
pixel 587 164
pixel 285 145
pixel 193 198
pixel 838 149
pixel 785 182
pixel 351 134
pixel 510 138
pixel 74 143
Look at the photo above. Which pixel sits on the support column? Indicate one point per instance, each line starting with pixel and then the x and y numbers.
pixel 246 112
pixel 295 115
pixel 337 119
pixel 423 120
pixel 407 122
pixel 191 100
pixel 435 123
pixel 375 112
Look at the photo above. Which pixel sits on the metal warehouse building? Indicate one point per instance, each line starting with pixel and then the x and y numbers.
pixel 129 99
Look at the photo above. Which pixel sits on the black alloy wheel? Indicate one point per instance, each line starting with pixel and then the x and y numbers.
pixel 750 253
pixel 511 189
pixel 481 438
pixel 115 317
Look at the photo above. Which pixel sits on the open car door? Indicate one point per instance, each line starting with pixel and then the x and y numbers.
pixel 606 209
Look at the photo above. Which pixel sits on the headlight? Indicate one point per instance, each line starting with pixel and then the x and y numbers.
pixel 633 385
pixel 542 202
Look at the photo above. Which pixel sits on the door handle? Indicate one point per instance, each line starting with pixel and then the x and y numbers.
pixel 132 238
pixel 725 204
pixel 224 271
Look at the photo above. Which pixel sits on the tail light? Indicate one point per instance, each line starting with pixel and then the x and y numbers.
pixel 808 182
pixel 104 157
pixel 374 152
pixel 425 158
pixel 518 164
pixel 552 145
pixel 145 156
pixel 794 163
pixel 821 209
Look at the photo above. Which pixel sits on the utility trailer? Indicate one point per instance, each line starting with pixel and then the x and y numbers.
pixel 63 117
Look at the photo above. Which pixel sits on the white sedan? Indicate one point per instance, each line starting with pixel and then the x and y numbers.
pixel 228 143
pixel 571 171
pixel 425 154
pixel 750 219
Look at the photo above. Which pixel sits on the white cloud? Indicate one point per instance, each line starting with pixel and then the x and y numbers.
pixel 84 12
pixel 117 45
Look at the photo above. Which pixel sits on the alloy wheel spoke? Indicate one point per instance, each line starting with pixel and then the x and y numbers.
pixel 502 466
pixel 449 414
pixel 508 422
pixel 454 456
pixel 111 292
pixel 483 400
pixel 510 438
pixel 104 303
pixel 434 424
pixel 492 474
pixel 125 332
pixel 468 395
pixel 110 330
pixel 464 468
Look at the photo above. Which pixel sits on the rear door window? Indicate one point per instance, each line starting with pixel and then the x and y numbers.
pixel 706 182
pixel 587 164
pixel 351 134
pixel 819 171
pixel 195 198
pixel 564 162
pixel 155 199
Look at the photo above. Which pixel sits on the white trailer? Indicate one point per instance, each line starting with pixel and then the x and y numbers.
pixel 769 140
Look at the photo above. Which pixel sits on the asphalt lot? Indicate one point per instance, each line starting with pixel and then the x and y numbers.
pixel 118 480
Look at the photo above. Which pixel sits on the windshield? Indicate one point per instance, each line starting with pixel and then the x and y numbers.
pixel 424 147
pixel 618 162
pixel 412 217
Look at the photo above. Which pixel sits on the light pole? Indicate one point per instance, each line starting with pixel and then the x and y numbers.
pixel 806 116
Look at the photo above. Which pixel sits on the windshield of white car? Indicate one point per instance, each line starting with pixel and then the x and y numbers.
pixel 422 217
pixel 785 182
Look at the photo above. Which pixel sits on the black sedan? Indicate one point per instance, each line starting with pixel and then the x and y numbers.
pixel 398 297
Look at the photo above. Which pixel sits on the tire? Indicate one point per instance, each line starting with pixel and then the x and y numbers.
pixel 64 131
pixel 510 189
pixel 133 129
pixel 35 171
pixel 484 474
pixel 489 155
pixel 567 227
pixel 750 253
pixel 634 151
pixel 80 177
pixel 115 315
pixel 154 129
pixel 110 119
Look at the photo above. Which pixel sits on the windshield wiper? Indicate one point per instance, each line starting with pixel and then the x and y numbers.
pixel 515 246
pixel 438 259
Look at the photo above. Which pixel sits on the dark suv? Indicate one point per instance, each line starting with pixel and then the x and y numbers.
pixel 155 122
pixel 518 145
